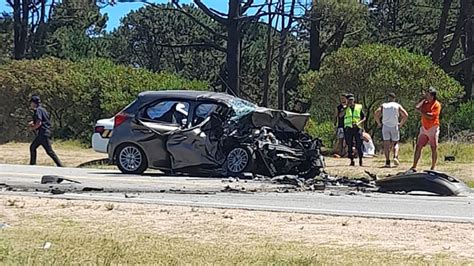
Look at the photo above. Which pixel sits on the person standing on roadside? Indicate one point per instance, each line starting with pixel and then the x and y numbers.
pixel 42 127
pixel 339 126
pixel 391 124
pixel 430 109
pixel 354 118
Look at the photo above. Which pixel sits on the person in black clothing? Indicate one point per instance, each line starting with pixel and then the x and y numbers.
pixel 42 127
pixel 339 127
pixel 354 118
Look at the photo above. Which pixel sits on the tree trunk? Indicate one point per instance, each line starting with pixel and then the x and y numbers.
pixel 269 57
pixel 18 46
pixel 283 52
pixel 282 59
pixel 314 39
pixel 38 37
pixel 469 35
pixel 233 48
pixel 24 26
pixel 438 44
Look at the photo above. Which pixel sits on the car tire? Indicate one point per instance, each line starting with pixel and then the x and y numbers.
pixel 131 159
pixel 239 160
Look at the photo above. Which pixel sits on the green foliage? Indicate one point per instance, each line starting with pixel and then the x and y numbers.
pixel 370 72
pixel 336 15
pixel 458 121
pixel 409 24
pixel 464 117
pixel 74 31
pixel 75 94
pixel 6 37
pixel 145 37
pixel 324 131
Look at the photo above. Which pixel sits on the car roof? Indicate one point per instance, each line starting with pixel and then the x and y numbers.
pixel 185 94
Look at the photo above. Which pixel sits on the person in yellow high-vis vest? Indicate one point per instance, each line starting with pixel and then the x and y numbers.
pixel 354 118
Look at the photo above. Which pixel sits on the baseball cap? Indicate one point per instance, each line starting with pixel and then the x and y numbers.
pixel 432 91
pixel 392 94
pixel 350 96
pixel 35 98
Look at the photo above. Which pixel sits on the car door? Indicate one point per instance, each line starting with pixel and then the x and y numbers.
pixel 198 145
pixel 154 122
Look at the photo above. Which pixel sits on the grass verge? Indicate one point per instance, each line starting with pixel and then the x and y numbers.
pixel 83 232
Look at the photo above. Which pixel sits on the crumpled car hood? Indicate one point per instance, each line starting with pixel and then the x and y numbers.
pixel 278 120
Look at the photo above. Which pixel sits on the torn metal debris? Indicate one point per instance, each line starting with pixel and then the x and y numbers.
pixel 428 181
pixel 54 179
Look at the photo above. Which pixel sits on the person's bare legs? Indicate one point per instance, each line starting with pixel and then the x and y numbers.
pixel 417 156
pixel 395 146
pixel 422 141
pixel 434 156
pixel 386 149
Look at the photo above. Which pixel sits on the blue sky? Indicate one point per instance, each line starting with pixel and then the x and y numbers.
pixel 119 10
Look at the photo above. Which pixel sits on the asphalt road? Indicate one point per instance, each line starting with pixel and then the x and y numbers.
pixel 154 188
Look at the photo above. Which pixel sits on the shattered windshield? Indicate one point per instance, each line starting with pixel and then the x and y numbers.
pixel 241 108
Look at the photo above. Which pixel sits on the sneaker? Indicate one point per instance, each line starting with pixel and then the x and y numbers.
pixel 396 162
pixel 387 164
pixel 352 163
pixel 411 170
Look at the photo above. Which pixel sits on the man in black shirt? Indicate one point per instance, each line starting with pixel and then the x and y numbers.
pixel 42 127
pixel 339 126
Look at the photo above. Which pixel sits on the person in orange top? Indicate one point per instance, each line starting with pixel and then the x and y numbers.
pixel 430 109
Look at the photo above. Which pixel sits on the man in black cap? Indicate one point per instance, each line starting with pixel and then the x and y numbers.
pixel 354 118
pixel 42 127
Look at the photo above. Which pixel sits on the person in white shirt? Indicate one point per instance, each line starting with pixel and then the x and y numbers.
pixel 390 123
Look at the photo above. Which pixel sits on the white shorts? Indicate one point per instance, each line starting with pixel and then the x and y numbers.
pixel 340 133
pixel 390 133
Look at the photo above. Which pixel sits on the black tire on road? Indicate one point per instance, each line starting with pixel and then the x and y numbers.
pixel 131 159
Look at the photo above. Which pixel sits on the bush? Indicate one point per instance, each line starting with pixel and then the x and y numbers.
pixel 324 131
pixel 75 93
pixel 370 72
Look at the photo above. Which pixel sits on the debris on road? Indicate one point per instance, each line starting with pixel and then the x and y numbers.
pixel 5 187
pixel 402 183
pixel 236 189
pixel 57 191
pixel 54 179
pixel 428 181
pixel 89 189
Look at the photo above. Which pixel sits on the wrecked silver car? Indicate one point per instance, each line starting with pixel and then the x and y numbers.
pixel 206 134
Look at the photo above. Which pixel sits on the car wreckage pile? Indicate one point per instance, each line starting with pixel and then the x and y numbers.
pixel 250 139
pixel 272 145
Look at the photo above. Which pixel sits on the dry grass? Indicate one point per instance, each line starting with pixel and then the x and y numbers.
pixel 70 153
pixel 89 232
